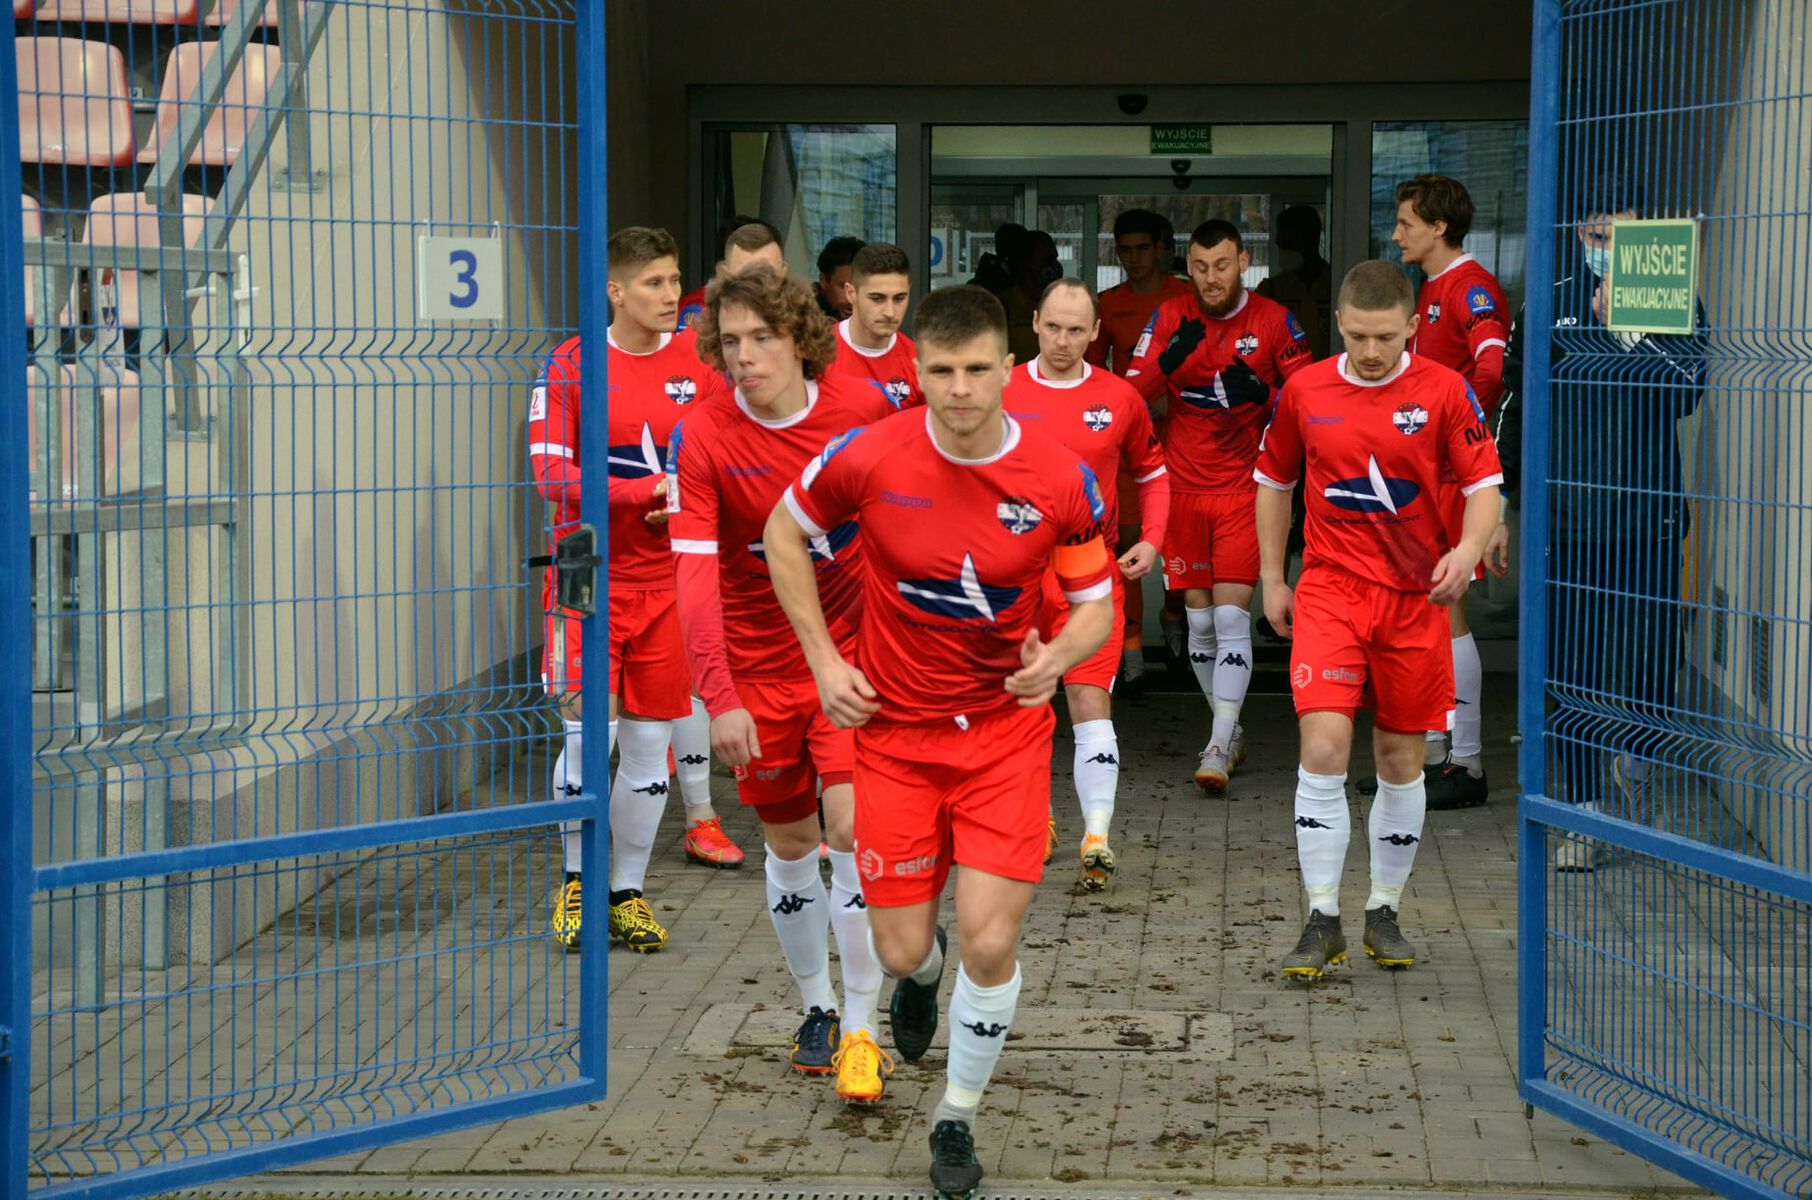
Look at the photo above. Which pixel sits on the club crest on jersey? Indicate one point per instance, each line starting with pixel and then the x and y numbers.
pixel 1246 344
pixel 898 391
pixel 1410 419
pixel 1478 300
pixel 1374 492
pixel 965 598
pixel 681 389
pixel 1097 417
pixel 1434 313
pixel 1018 515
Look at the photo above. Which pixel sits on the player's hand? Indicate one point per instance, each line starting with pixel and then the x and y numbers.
pixel 1138 562
pixel 1039 674
pixel 846 695
pixel 1452 576
pixel 1497 551
pixel 658 515
pixel 1280 607
pixel 1182 344
pixel 733 738
pixel 1242 385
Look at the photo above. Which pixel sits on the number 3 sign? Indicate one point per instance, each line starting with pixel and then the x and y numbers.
pixel 459 279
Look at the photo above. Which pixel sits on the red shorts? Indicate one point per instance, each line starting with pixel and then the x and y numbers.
pixel 647 658
pixel 1355 638
pixel 799 745
pixel 929 795
pixel 1452 504
pixel 1100 667
pixel 1210 540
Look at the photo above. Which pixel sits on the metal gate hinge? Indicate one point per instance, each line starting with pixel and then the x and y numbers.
pixel 575 562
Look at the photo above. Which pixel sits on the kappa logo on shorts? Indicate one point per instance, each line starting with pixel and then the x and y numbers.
pixel 1098 417
pixel 870 864
pixel 1410 419
pixel 1018 515
pixel 1300 677
pixel 681 389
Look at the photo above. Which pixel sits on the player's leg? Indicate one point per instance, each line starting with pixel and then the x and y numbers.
pixel 1232 680
pixel 638 798
pixel 1097 775
pixel 1458 780
pixel 800 910
pixel 706 841
pixel 560 672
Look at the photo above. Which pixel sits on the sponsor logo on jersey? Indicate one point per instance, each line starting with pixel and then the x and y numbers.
pixel 1144 342
pixel 681 389
pixel 1341 675
pixel 1478 410
pixel 1301 676
pixel 1097 417
pixel 1175 565
pixel 870 864
pixel 1434 313
pixel 1294 327
pixel 915 866
pixel 1246 344
pixel 1335 420
pixel 902 500
pixel 636 460
pixel 965 598
pixel 1410 419
pixel 755 471
pixel 1479 301
pixel 1373 492
pixel 825 547
pixel 1091 488
pixel 832 448
pixel 1018 515
pixel 537 405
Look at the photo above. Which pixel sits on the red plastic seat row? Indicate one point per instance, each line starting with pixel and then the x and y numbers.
pixel 136 12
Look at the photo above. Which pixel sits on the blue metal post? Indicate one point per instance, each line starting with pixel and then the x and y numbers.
pixel 1538 324
pixel 15 682
pixel 594 451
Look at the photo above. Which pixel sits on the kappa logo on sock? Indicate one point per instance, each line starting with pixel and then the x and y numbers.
pixel 692 760
pixel 1400 839
pixel 1310 823
pixel 855 902
pixel 1105 759
pixel 1236 660
pixel 792 903
pixel 987 1029
pixel 1201 658
pixel 571 791
pixel 653 789
pixel 870 864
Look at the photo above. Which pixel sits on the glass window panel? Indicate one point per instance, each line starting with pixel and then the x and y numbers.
pixel 1251 212
pixel 1490 157
pixel 812 182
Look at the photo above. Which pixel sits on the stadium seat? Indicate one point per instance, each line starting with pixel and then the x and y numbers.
pixel 22 9
pixel 74 106
pixel 224 9
pixel 119 424
pixel 122 12
pixel 240 103
pixel 128 219
pixel 34 229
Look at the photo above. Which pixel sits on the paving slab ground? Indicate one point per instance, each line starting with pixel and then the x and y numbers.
pixel 1161 1050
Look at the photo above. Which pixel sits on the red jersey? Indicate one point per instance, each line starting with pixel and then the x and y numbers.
pixel 1211 436
pixel 956 552
pixel 726 470
pixel 1465 325
pixel 690 305
pixel 892 371
pixel 647 394
pixel 1375 453
pixel 1102 419
pixel 1124 316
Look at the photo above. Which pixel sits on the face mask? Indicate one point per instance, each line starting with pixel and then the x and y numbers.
pixel 1598 260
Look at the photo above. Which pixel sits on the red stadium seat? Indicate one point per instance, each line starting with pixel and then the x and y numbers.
pixel 119 422
pixel 22 9
pixel 240 103
pixel 224 9
pixel 74 106
pixel 34 228
pixel 122 12
pixel 128 219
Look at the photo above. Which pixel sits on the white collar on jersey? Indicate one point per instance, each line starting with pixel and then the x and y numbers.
pixel 1032 372
pixel 1463 258
pixel 1402 366
pixel 611 339
pixel 893 339
pixel 811 399
pixel 1008 440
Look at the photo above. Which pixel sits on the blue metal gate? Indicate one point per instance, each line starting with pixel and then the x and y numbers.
pixel 1666 695
pixel 276 845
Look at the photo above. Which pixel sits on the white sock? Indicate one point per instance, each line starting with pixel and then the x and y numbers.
pixel 1202 647
pixel 567 785
pixel 979 1020
pixel 928 971
pixel 1232 670
pixel 1437 745
pixel 692 762
pixel 849 921
pixel 1395 829
pixel 1097 770
pixel 1324 825
pixel 800 910
pixel 637 799
pixel 1468 687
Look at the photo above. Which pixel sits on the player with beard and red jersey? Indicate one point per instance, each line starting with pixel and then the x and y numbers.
pixel 1463 322
pixel 1215 361
pixel 871 350
pixel 654 377
pixel 1371 434
pixel 963 510
pixel 1104 421
pixel 727 466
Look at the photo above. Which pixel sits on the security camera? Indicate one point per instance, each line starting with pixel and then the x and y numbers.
pixel 1179 166
pixel 1180 182
pixel 1133 103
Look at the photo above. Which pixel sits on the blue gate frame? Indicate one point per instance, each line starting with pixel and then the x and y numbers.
pixel 1658 1005
pixel 24 883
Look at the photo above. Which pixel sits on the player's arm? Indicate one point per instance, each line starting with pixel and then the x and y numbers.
pixel 1280 457
pixel 1473 459
pixel 844 692
pixel 1084 572
pixel 553 432
pixel 1487 339
pixel 1163 347
pixel 1144 457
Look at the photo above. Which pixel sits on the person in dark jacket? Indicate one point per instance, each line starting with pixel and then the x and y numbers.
pixel 1617 521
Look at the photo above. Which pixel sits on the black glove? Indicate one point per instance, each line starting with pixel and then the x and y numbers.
pixel 1242 385
pixel 1183 342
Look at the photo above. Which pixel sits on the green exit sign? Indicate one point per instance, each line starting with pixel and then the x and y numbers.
pixel 1654 276
pixel 1182 139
